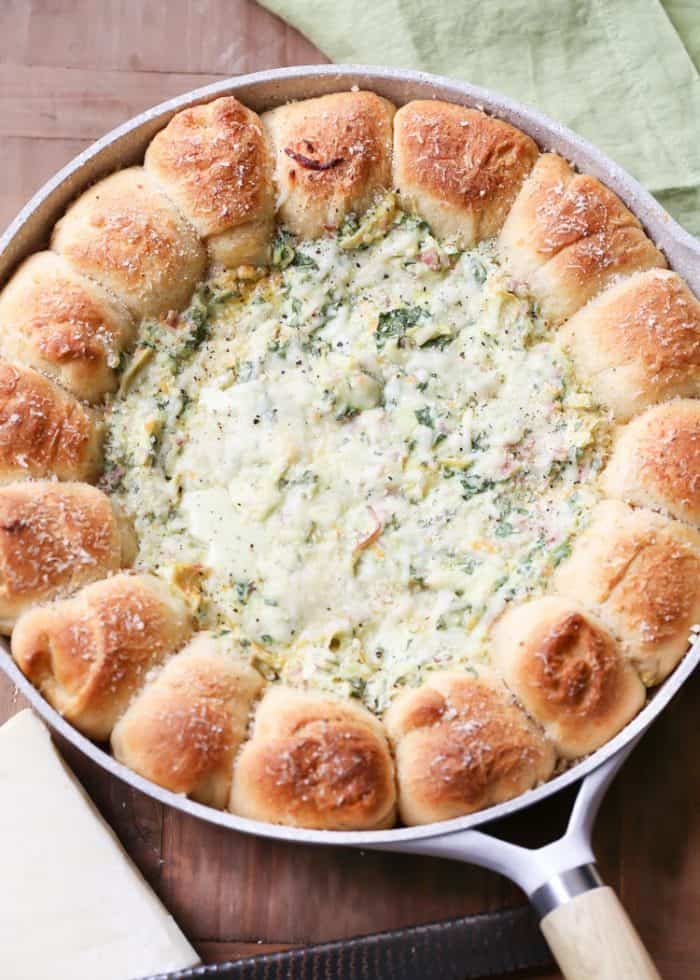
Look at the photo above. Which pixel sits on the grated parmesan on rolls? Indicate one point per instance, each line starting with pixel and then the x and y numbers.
pixel 126 234
pixel 214 163
pixel 568 672
pixel 462 744
pixel 55 537
pixel 332 157
pixel 314 761
pixel 641 571
pixel 638 343
pixel 45 431
pixel 458 168
pixel 184 727
pixel 655 461
pixel 65 326
pixel 568 236
pixel 90 653
pixel 398 426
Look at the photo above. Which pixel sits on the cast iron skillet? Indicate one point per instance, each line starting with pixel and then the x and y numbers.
pixel 583 922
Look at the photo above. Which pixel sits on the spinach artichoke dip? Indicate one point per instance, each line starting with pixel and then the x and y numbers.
pixel 355 462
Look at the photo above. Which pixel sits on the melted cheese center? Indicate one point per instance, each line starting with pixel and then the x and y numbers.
pixel 355 463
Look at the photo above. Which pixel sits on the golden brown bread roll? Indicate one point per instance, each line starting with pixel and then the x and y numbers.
pixel 568 236
pixel 314 761
pixel 566 668
pixel 458 168
pixel 88 654
pixel 184 727
pixel 44 431
pixel 64 325
pixel 655 460
pixel 214 163
pixel 126 234
pixel 638 342
pixel 641 571
pixel 55 537
pixel 462 744
pixel 332 157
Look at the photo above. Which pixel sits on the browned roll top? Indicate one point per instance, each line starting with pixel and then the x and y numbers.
pixel 55 537
pixel 459 168
pixel 183 729
pixel 642 572
pixel 214 162
pixel 87 655
pixel 568 236
pixel 462 744
pixel 656 460
pixel 64 325
pixel 575 665
pixel 44 431
pixel 567 670
pixel 315 762
pixel 332 155
pixel 638 342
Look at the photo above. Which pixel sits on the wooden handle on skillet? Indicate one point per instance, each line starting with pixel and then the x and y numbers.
pixel 592 938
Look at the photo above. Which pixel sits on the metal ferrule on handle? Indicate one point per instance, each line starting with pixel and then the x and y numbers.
pixel 563 887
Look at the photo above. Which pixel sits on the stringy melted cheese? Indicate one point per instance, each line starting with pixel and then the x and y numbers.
pixel 354 463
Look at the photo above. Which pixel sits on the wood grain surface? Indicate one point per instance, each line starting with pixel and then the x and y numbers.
pixel 69 71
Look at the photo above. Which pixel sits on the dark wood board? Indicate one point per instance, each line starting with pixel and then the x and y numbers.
pixel 69 71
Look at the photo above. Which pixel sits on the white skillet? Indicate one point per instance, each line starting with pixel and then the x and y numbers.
pixel 582 920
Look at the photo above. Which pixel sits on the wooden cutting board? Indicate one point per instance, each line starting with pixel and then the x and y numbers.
pixel 69 71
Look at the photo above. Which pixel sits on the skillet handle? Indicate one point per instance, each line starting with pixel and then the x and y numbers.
pixel 592 938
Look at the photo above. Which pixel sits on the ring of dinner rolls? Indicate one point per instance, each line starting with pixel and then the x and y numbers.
pixel 114 653
pixel 44 431
pixel 90 653
pixel 315 761
pixel 641 572
pixel 566 669
pixel 184 727
pixel 55 537
pixel 462 744
pixel 655 461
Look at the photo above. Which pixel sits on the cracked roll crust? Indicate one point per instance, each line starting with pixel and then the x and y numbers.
pixel 55 537
pixel 44 431
pixel 458 168
pixel 184 727
pixel 462 744
pixel 638 343
pixel 126 234
pixel 332 157
pixel 566 669
pixel 655 461
pixel 88 654
pixel 214 163
pixel 568 236
pixel 641 572
pixel 64 325
pixel 314 761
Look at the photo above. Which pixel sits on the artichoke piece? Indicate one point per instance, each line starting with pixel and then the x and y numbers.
pixel 374 225
pixel 138 362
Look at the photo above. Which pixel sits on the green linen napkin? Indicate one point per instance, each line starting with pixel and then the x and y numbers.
pixel 616 71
